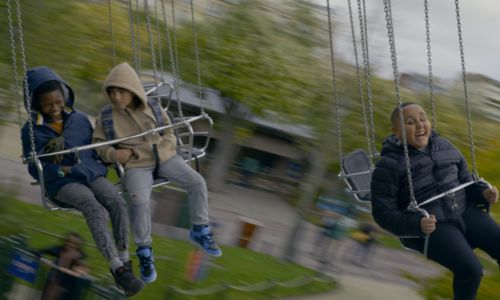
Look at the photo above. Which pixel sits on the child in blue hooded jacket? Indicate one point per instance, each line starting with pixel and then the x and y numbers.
pixel 72 182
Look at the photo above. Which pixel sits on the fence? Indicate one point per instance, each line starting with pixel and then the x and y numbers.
pixel 24 275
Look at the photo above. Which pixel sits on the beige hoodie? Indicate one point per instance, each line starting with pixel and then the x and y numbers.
pixel 127 122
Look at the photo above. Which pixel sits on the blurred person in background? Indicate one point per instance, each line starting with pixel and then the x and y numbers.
pixel 69 256
pixel 74 182
pixel 456 224
pixel 364 240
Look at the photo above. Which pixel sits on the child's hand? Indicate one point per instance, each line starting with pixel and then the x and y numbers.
pixel 123 155
pixel 428 225
pixel 491 194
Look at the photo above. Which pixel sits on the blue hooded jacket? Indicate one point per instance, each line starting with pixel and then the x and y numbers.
pixel 77 131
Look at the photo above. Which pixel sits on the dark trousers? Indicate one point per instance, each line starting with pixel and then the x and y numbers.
pixel 451 246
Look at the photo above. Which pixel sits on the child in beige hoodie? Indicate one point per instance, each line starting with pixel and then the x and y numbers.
pixel 131 113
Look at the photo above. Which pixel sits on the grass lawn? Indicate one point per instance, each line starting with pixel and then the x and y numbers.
pixel 237 266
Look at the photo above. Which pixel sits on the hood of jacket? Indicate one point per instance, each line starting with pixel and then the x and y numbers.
pixel 124 76
pixel 40 75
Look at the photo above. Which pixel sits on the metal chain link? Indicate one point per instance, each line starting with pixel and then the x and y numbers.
pixel 174 35
pixel 25 78
pixel 360 86
pixel 334 85
pixel 429 63
pixel 17 88
pixel 110 17
pixel 138 40
pixel 197 58
pixel 466 93
pixel 172 59
pixel 366 66
pixel 160 41
pixel 395 73
pixel 132 33
pixel 152 49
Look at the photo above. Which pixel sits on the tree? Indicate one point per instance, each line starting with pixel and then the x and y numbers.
pixel 253 61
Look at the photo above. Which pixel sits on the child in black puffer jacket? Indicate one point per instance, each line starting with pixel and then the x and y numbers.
pixel 456 225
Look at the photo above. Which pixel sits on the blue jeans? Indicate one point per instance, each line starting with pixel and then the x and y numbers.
pixel 138 185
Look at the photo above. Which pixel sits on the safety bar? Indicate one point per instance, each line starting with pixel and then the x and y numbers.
pixel 116 141
pixel 342 174
pixel 447 193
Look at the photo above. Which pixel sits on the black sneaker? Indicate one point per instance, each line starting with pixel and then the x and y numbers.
pixel 126 280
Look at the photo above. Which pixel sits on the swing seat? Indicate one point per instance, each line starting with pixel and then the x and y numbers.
pixel 357 173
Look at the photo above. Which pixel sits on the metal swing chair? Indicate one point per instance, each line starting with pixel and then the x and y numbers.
pixel 181 125
pixel 357 166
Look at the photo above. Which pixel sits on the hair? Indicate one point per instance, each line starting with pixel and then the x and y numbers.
pixel 135 100
pixel 395 112
pixel 74 234
pixel 46 87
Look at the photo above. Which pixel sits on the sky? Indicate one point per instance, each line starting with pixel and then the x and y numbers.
pixel 480 24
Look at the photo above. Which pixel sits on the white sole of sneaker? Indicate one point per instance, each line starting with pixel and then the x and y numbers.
pixel 150 280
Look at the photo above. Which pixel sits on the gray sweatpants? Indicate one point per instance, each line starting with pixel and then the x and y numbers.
pixel 138 183
pixel 96 204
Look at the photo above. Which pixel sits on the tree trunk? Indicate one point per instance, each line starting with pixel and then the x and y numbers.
pixel 224 153
pixel 310 184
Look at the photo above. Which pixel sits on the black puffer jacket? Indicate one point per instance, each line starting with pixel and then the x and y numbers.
pixel 437 170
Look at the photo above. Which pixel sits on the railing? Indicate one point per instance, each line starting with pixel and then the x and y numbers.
pixel 14 245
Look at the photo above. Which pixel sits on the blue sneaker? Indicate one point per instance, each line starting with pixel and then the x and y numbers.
pixel 204 240
pixel 146 261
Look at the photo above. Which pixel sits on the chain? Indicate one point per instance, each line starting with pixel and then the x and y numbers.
pixel 429 62
pixel 392 45
pixel 110 17
pixel 25 71
pixel 466 93
pixel 132 33
pixel 358 76
pixel 334 84
pixel 174 35
pixel 366 66
pixel 158 30
pixel 172 60
pixel 17 89
pixel 138 45
pixel 152 49
pixel 197 59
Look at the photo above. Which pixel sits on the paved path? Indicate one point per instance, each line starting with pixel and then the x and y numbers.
pixel 381 279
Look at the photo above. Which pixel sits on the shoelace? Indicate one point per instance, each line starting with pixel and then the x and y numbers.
pixel 146 261
pixel 207 240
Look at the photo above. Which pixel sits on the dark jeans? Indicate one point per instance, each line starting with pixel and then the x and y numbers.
pixel 451 246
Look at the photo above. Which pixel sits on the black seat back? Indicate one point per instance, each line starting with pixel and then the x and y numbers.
pixel 356 162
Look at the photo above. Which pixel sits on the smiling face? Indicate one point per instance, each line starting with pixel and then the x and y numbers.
pixel 52 104
pixel 417 126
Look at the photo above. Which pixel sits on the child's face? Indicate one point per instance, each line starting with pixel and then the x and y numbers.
pixel 417 126
pixel 52 104
pixel 121 98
